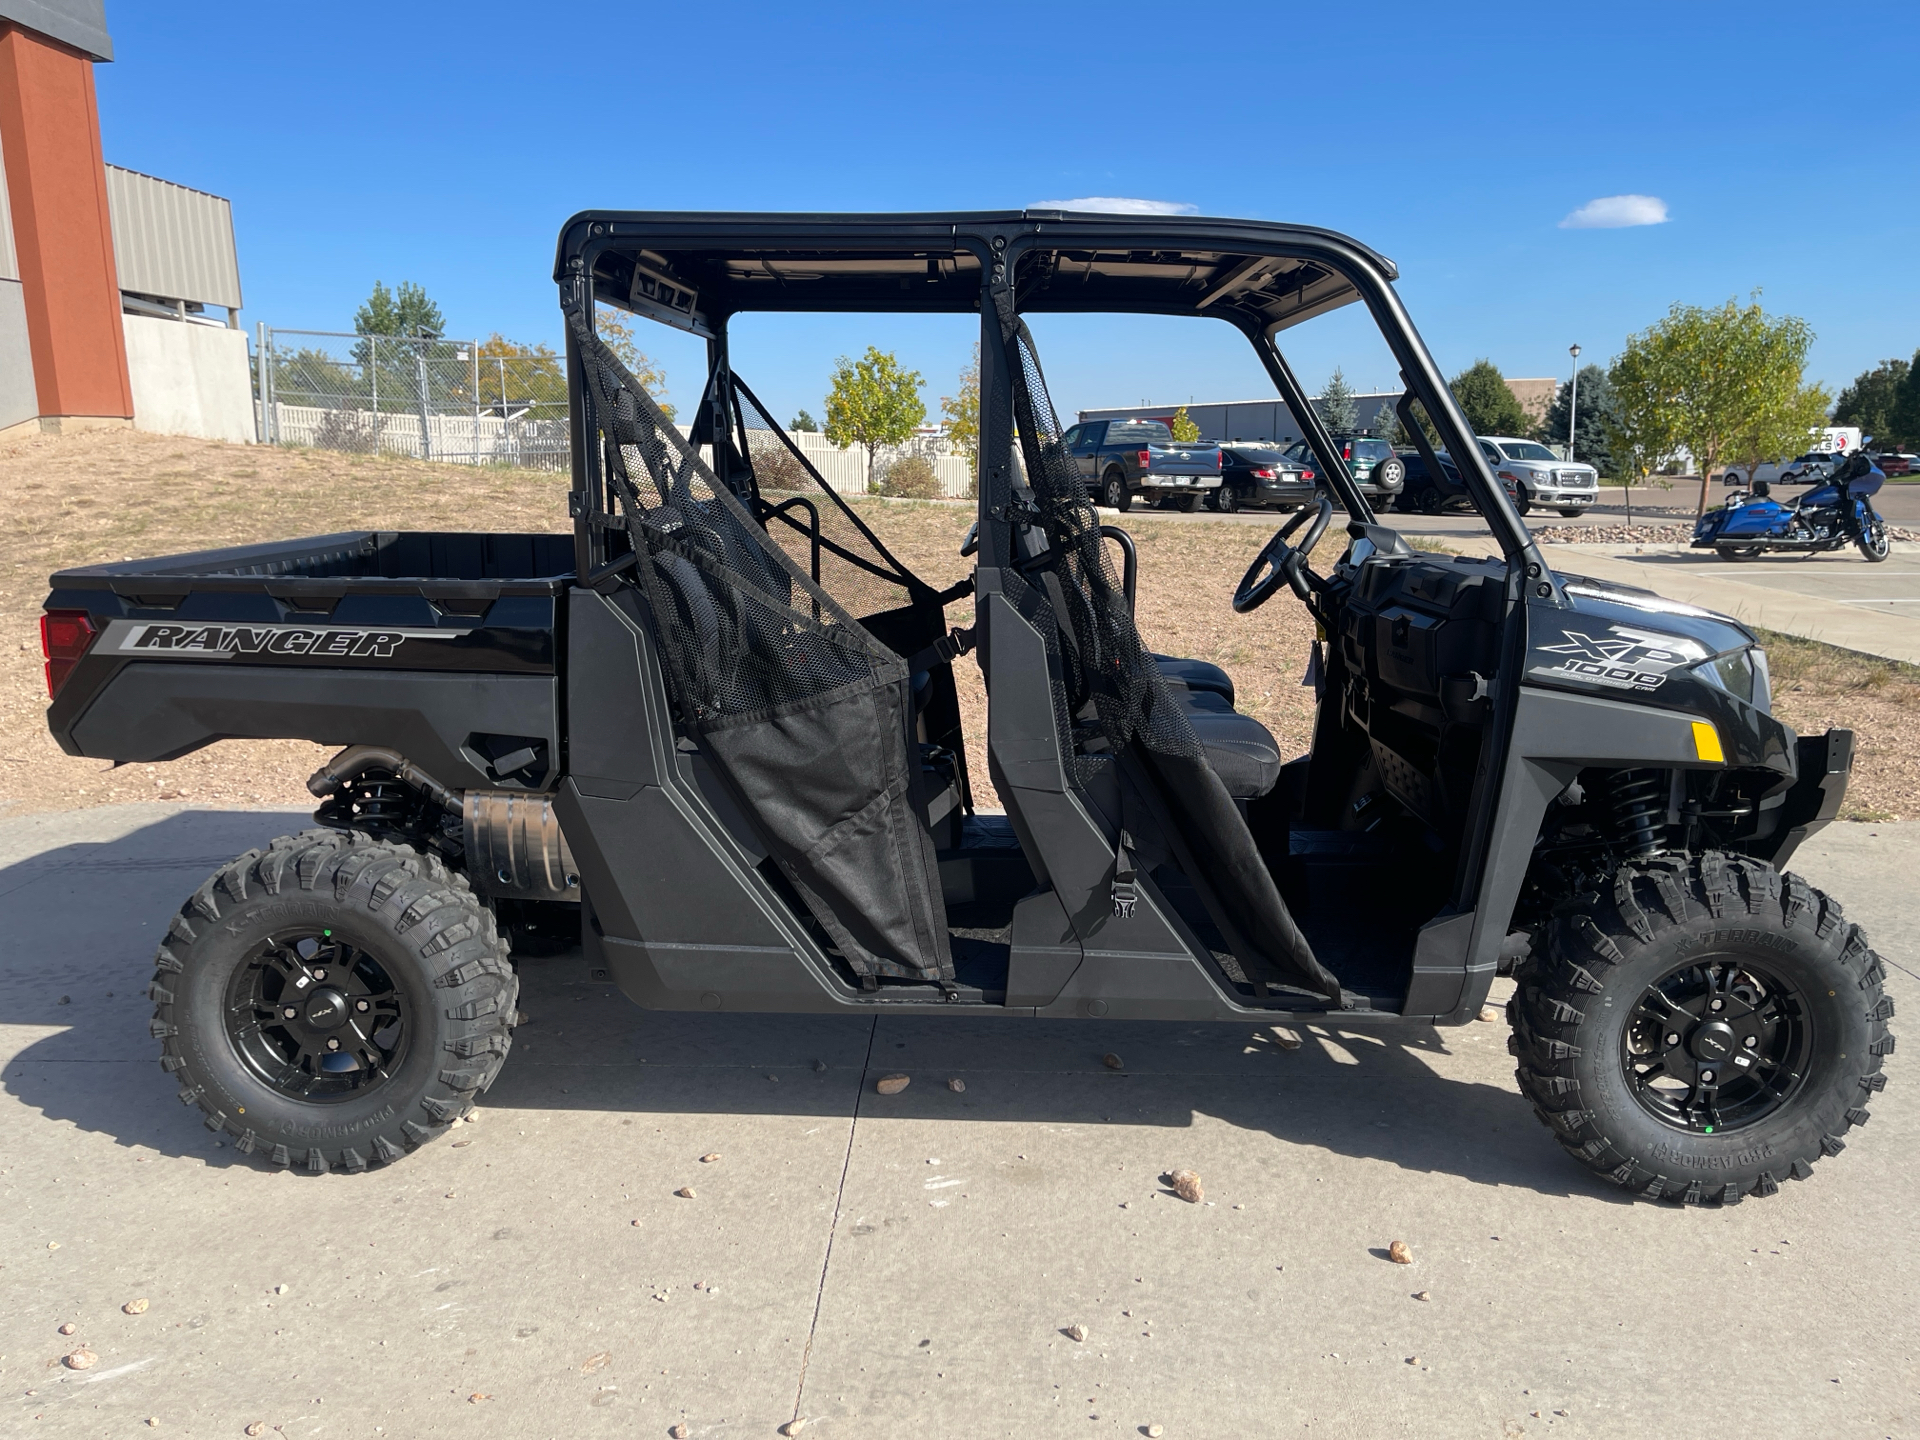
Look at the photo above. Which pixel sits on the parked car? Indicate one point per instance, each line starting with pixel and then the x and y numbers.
pixel 1430 496
pixel 1893 462
pixel 1534 475
pixel 1257 476
pixel 1121 459
pixel 1372 463
pixel 1807 469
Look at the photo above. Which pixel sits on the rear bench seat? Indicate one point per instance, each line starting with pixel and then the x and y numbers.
pixel 1242 751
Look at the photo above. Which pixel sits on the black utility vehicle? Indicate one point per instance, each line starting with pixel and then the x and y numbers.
pixel 715 733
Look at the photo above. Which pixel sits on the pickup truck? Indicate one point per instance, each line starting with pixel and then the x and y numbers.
pixel 1120 459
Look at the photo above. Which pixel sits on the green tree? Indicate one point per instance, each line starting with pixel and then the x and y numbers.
pixel 1872 402
pixel 1640 423
pixel 1730 381
pixel 962 412
pixel 615 328
pixel 407 311
pixel 1183 428
pixel 806 422
pixel 1489 404
pixel 1335 404
pixel 1906 405
pixel 873 403
pixel 1592 444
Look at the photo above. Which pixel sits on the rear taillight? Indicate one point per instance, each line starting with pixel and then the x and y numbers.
pixel 1145 457
pixel 1306 475
pixel 1346 452
pixel 1263 474
pixel 64 638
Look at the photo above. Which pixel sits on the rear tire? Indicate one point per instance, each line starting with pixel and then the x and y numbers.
pixel 1430 501
pixel 1224 500
pixel 328 947
pixel 1522 502
pixel 1114 490
pixel 1703 948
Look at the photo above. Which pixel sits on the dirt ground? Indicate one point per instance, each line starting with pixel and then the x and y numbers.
pixel 113 495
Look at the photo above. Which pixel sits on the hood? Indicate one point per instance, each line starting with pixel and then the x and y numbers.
pixel 1631 607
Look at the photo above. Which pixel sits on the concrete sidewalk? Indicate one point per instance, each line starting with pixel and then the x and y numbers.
pixel 901 1266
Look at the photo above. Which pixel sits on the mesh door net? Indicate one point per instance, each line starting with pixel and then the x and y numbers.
pixel 805 713
pixel 1110 678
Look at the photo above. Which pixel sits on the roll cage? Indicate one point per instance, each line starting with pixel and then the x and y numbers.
pixel 695 271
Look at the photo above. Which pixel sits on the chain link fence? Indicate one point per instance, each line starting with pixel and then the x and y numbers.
pixel 453 401
pixel 429 398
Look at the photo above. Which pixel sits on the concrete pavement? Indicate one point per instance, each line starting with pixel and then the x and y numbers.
pixel 906 1265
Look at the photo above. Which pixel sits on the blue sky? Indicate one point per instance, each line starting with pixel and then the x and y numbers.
pixel 445 144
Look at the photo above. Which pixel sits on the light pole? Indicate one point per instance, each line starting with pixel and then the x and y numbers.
pixel 1573 400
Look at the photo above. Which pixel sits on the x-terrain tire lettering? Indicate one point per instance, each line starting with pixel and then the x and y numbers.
pixel 1706 1029
pixel 333 1000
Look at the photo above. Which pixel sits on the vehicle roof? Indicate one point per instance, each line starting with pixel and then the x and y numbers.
pixel 693 269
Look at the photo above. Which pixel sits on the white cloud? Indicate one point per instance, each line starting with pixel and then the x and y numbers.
pixel 1617 212
pixel 1118 205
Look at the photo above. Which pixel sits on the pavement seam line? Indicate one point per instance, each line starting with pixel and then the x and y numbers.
pixel 833 1229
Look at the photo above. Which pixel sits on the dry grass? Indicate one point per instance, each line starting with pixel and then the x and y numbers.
pixel 111 495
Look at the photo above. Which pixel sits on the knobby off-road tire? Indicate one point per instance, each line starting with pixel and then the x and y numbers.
pixel 1580 1027
pixel 259 967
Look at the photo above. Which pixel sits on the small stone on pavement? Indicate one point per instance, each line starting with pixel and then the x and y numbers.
pixel 81 1359
pixel 1186 1184
pixel 1399 1254
pixel 1489 1014
pixel 134 1307
pixel 1076 1333
pixel 892 1084
pixel 709 1159
pixel 1112 1061
pixel 68 1328
pixel 956 1084
pixel 1422 1295
pixel 685 1192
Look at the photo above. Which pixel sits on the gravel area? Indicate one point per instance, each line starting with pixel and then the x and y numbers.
pixel 110 495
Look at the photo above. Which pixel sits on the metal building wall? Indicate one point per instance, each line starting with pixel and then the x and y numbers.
pixel 171 242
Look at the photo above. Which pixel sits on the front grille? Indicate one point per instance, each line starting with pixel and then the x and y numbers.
pixel 1575 479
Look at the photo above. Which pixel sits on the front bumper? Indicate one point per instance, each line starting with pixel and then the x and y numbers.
pixel 1825 763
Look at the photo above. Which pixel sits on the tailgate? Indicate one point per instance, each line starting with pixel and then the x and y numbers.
pixel 1184 459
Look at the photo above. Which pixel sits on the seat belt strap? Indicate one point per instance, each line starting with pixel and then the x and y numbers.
pixel 943 651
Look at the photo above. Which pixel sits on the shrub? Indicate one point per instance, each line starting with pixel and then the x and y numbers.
pixel 911 477
pixel 777 468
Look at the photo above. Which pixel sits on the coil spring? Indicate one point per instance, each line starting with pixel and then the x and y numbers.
pixel 379 799
pixel 1639 799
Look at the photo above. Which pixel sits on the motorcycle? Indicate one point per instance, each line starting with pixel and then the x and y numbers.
pixel 1833 515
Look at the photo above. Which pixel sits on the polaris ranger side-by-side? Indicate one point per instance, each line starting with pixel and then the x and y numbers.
pixel 715 733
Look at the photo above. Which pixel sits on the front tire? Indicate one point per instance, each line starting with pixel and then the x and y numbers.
pixel 333 1000
pixel 1873 543
pixel 1114 489
pixel 1633 1015
pixel 1185 501
pixel 1573 512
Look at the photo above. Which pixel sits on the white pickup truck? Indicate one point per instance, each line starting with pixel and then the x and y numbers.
pixel 1539 477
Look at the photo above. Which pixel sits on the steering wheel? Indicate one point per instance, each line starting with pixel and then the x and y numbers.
pixel 1280 562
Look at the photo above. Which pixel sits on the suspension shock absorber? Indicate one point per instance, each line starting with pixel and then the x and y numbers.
pixel 1639 800
pixel 379 801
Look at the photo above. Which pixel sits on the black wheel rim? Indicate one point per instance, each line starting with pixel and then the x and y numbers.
pixel 317 1019
pixel 1717 1044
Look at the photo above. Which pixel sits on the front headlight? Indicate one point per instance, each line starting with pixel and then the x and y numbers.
pixel 1742 673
